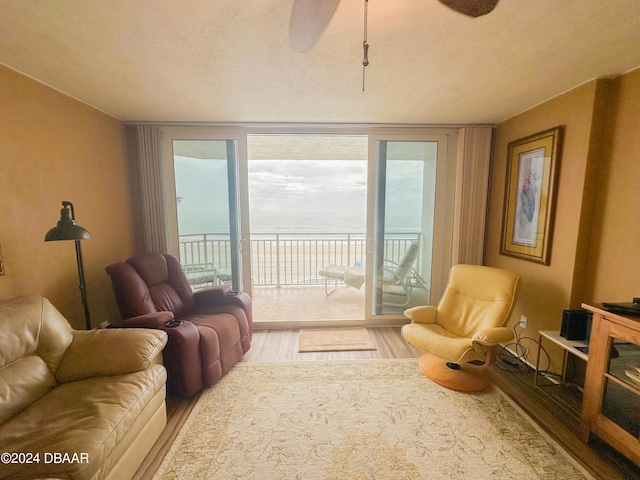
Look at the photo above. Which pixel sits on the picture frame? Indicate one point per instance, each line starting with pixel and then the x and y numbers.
pixel 529 203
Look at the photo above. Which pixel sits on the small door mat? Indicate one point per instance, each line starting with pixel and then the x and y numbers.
pixel 334 339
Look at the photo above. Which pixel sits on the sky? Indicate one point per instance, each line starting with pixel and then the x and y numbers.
pixel 300 196
pixel 308 194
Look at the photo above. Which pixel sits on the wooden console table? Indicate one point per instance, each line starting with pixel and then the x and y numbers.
pixel 611 401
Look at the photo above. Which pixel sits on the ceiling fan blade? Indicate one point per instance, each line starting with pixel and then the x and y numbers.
pixel 309 19
pixel 472 8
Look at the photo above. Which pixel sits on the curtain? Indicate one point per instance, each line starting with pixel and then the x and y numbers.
pixel 150 167
pixel 472 187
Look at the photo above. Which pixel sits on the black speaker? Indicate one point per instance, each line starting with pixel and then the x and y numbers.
pixel 574 324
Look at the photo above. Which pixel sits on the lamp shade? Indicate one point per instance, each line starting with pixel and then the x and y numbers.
pixel 66 232
pixel 66 229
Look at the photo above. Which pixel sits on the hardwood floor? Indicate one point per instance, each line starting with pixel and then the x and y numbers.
pixel 560 423
pixel 282 346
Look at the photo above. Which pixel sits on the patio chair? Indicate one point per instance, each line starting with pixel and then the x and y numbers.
pixel 352 276
pixel 202 276
pixel 206 275
pixel 400 279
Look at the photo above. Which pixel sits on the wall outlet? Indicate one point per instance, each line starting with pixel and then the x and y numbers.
pixel 523 321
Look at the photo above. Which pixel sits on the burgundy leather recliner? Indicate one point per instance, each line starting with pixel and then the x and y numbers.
pixel 209 330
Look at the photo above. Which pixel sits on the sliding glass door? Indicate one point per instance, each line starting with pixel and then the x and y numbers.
pixel 202 198
pixel 288 216
pixel 407 202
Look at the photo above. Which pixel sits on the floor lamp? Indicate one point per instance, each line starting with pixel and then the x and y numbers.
pixel 68 230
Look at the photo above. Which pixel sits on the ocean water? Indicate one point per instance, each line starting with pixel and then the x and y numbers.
pixel 305 223
pixel 308 222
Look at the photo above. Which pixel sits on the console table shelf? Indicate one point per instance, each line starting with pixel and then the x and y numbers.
pixel 569 346
pixel 611 403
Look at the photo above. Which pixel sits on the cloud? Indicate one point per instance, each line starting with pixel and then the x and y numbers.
pixel 307 184
pixel 304 194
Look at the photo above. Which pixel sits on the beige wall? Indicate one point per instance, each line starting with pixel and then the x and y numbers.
pixel 54 148
pixel 614 272
pixel 593 251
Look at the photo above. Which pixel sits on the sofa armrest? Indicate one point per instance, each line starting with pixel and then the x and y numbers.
pixel 422 314
pixel 96 353
pixel 492 336
pixel 148 320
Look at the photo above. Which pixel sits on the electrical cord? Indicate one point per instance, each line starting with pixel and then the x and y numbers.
pixel 517 361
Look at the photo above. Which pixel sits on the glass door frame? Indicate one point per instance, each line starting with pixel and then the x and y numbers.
pixel 443 213
pixel 238 205
pixel 446 137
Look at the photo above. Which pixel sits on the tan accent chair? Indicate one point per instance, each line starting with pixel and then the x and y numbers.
pixel 466 326
pixel 76 404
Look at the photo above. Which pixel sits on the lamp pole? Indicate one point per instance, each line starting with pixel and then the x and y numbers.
pixel 82 287
pixel 67 229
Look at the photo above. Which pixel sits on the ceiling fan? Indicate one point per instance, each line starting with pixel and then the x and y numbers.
pixel 309 18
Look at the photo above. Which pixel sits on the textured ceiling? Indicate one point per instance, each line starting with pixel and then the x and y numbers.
pixel 229 60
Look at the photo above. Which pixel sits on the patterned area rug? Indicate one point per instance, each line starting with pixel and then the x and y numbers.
pixel 362 419
pixel 334 339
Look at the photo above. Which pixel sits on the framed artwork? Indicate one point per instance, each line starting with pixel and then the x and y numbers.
pixel 527 222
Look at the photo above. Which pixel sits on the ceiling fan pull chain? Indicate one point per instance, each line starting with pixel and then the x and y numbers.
pixel 365 45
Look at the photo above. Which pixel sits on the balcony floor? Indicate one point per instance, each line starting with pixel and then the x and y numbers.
pixel 307 303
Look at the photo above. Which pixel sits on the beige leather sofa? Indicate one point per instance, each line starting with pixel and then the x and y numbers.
pixel 76 404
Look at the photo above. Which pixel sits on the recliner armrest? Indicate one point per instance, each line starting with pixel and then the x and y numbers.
pixel 99 353
pixel 493 336
pixel 148 320
pixel 181 357
pixel 422 314
pixel 224 296
pixel 211 295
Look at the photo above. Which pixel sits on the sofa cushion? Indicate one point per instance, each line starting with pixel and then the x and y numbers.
pixel 90 417
pixel 33 339
pixel 165 298
pixel 168 286
pixel 129 284
pixel 22 383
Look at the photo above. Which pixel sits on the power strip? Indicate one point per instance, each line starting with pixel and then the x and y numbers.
pixel 510 362
pixel 526 362
pixel 521 359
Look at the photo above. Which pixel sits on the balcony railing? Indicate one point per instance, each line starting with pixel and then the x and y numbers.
pixel 283 259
